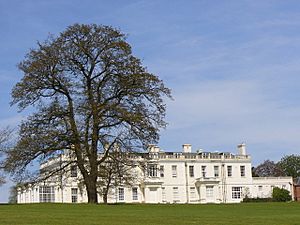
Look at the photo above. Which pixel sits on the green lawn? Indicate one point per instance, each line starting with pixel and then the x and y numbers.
pixel 83 214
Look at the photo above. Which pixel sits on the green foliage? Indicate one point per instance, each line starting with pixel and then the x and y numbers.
pixel 281 195
pixel 290 164
pixel 257 199
pixel 151 214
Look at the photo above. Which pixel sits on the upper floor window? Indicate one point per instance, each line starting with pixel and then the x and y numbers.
pixel 191 171
pixel 162 171
pixel 73 171
pixel 243 173
pixel 216 171
pixel 229 171
pixel 174 171
pixel 203 171
pixel 152 170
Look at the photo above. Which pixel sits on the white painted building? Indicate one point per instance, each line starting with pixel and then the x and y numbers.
pixel 169 177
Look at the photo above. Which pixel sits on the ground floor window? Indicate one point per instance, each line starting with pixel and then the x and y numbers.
pixel 209 191
pixel 134 194
pixel 175 194
pixel 163 193
pixel 47 194
pixel 192 192
pixel 121 194
pixel 74 195
pixel 236 192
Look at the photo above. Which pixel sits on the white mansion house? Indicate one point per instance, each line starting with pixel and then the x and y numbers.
pixel 168 177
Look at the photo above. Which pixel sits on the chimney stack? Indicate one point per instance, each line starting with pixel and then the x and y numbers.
pixel 242 149
pixel 153 148
pixel 186 148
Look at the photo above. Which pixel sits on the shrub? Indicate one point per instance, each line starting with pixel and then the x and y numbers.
pixel 281 195
pixel 257 200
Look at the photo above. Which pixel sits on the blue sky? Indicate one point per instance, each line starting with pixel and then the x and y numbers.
pixel 233 66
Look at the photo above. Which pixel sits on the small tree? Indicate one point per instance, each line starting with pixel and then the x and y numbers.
pixel 118 170
pixel 281 195
pixel 13 194
pixel 290 164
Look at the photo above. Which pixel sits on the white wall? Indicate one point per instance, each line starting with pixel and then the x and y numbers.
pixel 177 189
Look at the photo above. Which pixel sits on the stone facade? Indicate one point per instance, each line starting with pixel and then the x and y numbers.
pixel 167 177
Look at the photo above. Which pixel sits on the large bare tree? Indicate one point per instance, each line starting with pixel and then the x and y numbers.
pixel 90 95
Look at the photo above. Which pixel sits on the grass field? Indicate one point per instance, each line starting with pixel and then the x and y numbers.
pixel 84 214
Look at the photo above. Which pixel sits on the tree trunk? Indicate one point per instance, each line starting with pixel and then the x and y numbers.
pixel 105 198
pixel 92 192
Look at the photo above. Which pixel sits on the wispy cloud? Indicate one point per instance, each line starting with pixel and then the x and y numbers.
pixel 224 113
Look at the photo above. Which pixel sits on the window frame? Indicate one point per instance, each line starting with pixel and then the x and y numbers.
pixel 174 170
pixel 243 171
pixel 236 192
pixel 74 195
pixel 121 194
pixel 73 171
pixel 135 195
pixel 203 171
pixel 191 171
pixel 192 192
pixel 163 194
pixel 229 171
pixel 162 171
pixel 176 194
pixel 216 171
pixel 46 193
pixel 152 170
pixel 209 191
